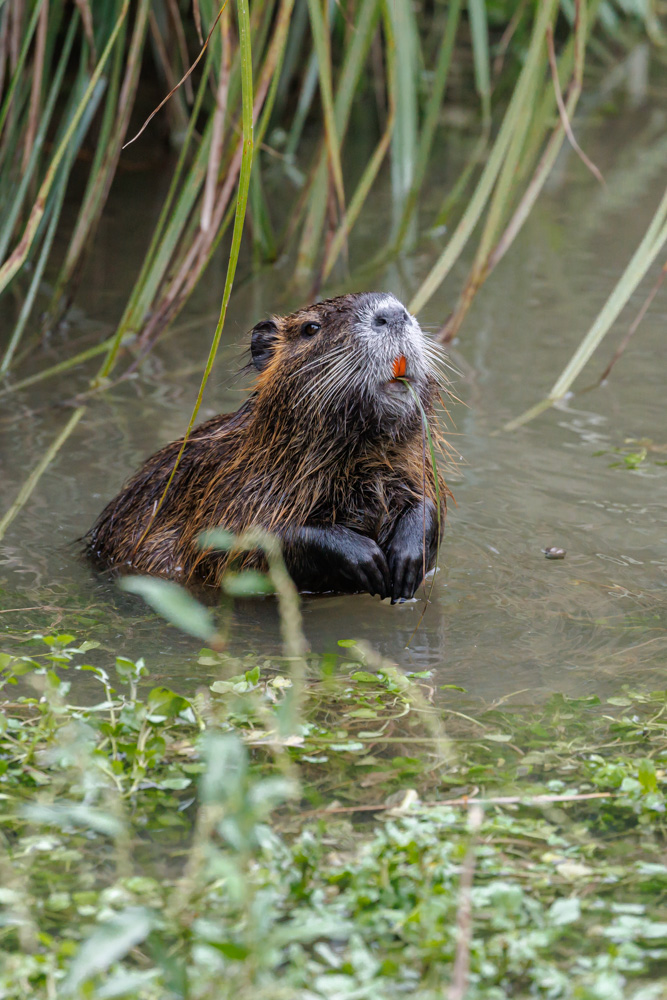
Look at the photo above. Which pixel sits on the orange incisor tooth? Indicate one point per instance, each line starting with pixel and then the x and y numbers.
pixel 398 367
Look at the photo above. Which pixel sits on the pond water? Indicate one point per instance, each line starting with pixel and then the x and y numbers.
pixel 503 618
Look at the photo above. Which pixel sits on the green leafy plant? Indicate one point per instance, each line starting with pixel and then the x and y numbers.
pixel 154 842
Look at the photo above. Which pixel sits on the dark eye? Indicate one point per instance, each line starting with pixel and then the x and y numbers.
pixel 310 329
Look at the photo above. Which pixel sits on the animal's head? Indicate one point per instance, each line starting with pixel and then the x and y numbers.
pixel 357 360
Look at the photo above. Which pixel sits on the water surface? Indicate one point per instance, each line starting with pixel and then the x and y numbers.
pixel 503 618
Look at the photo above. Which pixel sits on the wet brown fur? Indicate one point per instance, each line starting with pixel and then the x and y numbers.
pixel 278 461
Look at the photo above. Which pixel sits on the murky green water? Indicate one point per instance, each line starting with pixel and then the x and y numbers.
pixel 503 618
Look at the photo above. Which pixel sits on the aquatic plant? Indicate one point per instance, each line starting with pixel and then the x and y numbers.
pixel 388 837
pixel 71 76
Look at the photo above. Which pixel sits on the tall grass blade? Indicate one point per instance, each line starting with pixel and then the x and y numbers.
pixel 645 254
pixel 31 482
pixel 18 257
pixel 18 70
pixel 306 95
pixel 479 31
pixel 620 350
pixel 58 368
pixel 554 144
pixel 54 209
pixel 19 191
pixel 321 41
pixel 431 117
pixel 152 269
pixel 351 70
pixel 36 87
pixel 493 166
pixel 198 255
pixel 241 206
pixel 218 127
pixel 405 39
pixel 373 165
pixel 113 131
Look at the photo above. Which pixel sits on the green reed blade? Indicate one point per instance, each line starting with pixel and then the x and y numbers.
pixel 155 267
pixel 521 153
pixel 19 191
pixel 479 31
pixel 18 72
pixel 144 297
pixel 54 208
pixel 652 243
pixel 644 256
pixel 485 185
pixel 200 246
pixel 354 63
pixel 273 66
pixel 265 26
pixel 500 201
pixel 431 117
pixel 37 84
pixel 575 55
pixel 264 243
pixel 112 134
pixel 321 42
pixel 404 138
pixel 306 96
pixel 241 206
pixel 59 368
pixel 373 165
pixel 294 55
pixel 270 70
pixel 152 269
pixel 18 257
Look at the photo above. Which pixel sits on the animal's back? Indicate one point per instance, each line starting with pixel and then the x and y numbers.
pixel 141 531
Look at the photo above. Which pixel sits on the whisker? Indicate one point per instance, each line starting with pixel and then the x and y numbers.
pixel 321 360
pixel 326 376
pixel 338 379
pixel 435 352
pixel 436 365
pixel 336 384
pixel 322 381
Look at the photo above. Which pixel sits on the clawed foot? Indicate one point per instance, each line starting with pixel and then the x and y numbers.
pixel 411 551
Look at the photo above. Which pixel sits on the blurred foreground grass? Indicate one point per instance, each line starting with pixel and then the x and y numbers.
pixel 391 838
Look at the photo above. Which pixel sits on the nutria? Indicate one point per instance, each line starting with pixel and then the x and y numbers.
pixel 328 452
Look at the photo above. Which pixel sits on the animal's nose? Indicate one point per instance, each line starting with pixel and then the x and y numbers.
pixel 389 316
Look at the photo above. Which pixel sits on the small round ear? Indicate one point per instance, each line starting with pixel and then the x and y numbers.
pixel 262 343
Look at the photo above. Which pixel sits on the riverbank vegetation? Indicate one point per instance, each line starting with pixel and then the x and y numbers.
pixel 331 829
pixel 265 109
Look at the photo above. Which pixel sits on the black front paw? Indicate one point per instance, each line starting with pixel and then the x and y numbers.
pixel 363 566
pixel 325 559
pixel 407 568
pixel 411 552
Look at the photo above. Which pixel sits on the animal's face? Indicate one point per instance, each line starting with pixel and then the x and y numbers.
pixel 349 357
